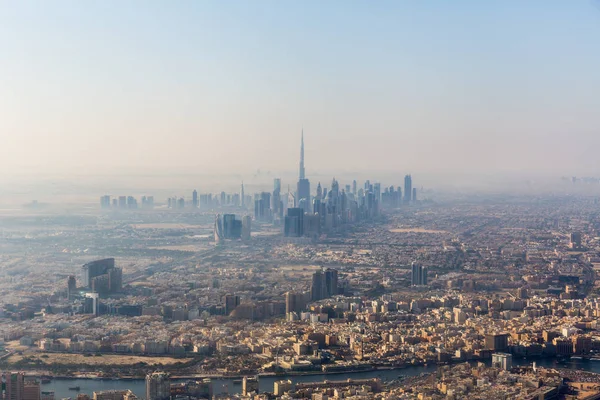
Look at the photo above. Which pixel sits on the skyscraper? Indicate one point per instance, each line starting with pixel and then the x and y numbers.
pixel 195 199
pixel 14 385
pixel 418 275
pixel 243 196
pixel 331 281
pixel 303 188
pixel 294 222
pixel 102 276
pixel 246 227
pixel 158 386
pixel 407 189
pixel 302 175
pixel 318 288
pixel 71 287
pixel 293 302
pixel 105 201
pixel 276 205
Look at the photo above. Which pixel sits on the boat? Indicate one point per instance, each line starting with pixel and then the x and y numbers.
pixel 75 388
pixel 595 359
pixel 576 358
pixel 237 381
pixel 46 380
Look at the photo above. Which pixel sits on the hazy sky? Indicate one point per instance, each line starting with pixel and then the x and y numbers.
pixel 491 86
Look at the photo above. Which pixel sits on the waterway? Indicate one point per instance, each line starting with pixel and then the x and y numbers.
pixel 60 387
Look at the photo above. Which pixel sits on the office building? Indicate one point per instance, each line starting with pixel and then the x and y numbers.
pixel 91 304
pixel 418 275
pixel 294 222
pixel 318 287
pixel 414 195
pixel 294 302
pixel 105 201
pixel 71 287
pixel 331 281
pixel 249 385
pixel 502 360
pixel 102 276
pixel 262 204
pixel 407 189
pixel 246 227
pixel 496 341
pixel 227 227
pixel 158 386
pixel 231 302
pixel 276 203
pixel 14 385
pixel 195 203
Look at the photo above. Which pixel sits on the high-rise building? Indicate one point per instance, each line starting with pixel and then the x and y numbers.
pixel 102 276
pixel 303 188
pixel 195 199
pixel 227 227
pixel 276 205
pixel 262 211
pixel 92 304
pixel 294 302
pixel 294 222
pixel 418 275
pixel 414 194
pixel 14 385
pixel 158 386
pixel 318 287
pixel 71 287
pixel 407 188
pixel 331 281
pixel 243 196
pixel 354 187
pixel 105 201
pixel 231 302
pixel 246 227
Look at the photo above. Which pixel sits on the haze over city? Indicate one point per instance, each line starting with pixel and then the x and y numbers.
pixel 434 87
pixel 277 200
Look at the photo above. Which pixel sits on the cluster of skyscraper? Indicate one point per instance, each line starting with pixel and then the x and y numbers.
pixel 334 207
pixel 125 202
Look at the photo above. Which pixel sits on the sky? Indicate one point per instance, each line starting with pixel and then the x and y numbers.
pixel 452 87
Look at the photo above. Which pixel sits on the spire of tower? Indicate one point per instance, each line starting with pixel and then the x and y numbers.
pixel 302 155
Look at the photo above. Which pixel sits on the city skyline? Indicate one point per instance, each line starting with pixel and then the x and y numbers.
pixel 401 86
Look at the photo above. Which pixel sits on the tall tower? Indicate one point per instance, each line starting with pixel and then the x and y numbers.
pixel 407 189
pixel 243 197
pixel 302 156
pixel 303 188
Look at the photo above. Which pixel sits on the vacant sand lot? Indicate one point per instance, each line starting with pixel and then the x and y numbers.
pixel 107 359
